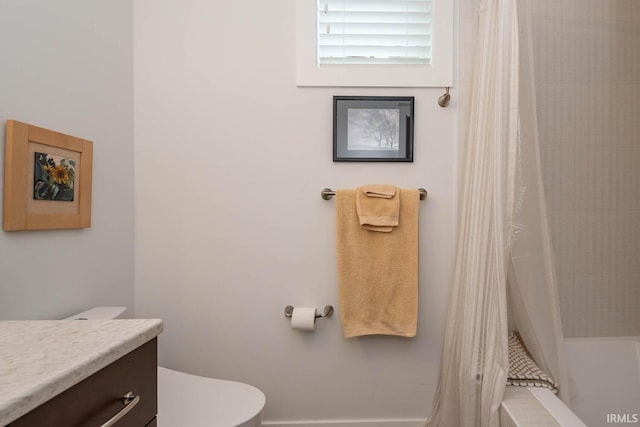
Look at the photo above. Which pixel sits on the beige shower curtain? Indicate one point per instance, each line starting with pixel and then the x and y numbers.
pixel 504 262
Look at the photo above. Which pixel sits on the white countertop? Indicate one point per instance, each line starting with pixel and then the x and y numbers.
pixel 42 358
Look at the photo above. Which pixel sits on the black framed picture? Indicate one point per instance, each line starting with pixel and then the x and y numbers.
pixel 373 128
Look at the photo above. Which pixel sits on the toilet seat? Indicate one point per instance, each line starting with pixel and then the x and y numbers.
pixel 194 401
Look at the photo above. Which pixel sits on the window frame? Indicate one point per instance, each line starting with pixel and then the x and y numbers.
pixel 439 73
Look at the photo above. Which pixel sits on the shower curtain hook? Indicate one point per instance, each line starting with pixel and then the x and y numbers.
pixel 443 100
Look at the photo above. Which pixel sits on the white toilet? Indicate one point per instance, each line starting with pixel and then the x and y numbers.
pixel 190 400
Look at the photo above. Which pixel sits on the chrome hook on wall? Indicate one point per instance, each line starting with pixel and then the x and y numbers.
pixel 444 100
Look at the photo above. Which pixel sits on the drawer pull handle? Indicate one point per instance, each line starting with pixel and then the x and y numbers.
pixel 129 401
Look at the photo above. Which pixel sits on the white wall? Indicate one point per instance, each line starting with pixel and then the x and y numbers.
pixel 67 65
pixel 230 227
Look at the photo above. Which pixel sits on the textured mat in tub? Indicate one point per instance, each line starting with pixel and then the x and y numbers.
pixel 523 370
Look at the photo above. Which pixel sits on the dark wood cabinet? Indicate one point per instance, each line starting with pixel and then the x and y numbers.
pixel 98 398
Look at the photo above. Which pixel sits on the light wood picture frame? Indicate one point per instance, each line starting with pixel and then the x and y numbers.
pixel 47 179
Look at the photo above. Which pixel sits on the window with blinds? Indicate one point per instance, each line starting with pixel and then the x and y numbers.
pixel 374 31
pixel 374 43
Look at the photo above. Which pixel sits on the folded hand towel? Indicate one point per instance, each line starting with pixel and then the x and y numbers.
pixel 380 190
pixel 377 272
pixel 378 207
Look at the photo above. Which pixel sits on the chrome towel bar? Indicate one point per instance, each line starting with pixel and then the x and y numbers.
pixel 327 193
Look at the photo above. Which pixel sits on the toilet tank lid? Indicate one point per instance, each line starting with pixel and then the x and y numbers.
pixel 97 313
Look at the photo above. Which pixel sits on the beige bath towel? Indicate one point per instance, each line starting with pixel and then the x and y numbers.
pixel 378 207
pixel 377 272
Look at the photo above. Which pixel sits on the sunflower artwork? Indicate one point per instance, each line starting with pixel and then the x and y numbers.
pixel 54 177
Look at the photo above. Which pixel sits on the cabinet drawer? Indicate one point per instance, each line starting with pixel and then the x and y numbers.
pixel 95 400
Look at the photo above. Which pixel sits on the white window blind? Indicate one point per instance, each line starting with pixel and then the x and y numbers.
pixel 374 31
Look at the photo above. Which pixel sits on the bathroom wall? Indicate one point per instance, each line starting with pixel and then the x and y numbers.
pixel 68 65
pixel 587 63
pixel 230 227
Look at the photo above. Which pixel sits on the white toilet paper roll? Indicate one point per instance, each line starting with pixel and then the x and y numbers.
pixel 303 319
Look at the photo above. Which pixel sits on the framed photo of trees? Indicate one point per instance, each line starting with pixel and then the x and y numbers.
pixel 373 128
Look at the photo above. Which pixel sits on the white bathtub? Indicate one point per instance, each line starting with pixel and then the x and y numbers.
pixel 605 376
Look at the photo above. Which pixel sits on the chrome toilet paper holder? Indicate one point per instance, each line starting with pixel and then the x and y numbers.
pixel 328 311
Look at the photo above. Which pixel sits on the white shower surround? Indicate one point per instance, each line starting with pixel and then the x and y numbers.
pixel 587 57
pixel 606 374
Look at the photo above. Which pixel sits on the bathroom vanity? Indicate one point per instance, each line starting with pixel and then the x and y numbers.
pixel 78 372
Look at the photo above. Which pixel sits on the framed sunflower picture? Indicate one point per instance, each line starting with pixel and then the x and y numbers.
pixel 53 177
pixel 47 179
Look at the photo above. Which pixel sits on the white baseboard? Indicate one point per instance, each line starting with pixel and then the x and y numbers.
pixel 348 423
